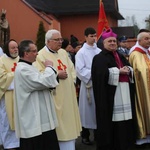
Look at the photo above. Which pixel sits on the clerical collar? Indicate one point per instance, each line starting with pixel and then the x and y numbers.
pixel 21 60
pixel 89 47
pixel 52 51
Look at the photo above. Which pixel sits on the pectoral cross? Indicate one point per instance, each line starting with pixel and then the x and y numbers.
pixel 61 65
pixel 14 67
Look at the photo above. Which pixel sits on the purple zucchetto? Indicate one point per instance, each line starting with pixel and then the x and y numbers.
pixel 108 33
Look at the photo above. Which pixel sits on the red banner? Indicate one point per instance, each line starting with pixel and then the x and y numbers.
pixel 102 20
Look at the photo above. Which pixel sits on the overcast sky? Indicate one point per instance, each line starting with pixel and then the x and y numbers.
pixel 139 8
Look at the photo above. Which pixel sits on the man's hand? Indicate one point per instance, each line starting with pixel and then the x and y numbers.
pixel 125 70
pixel 48 63
pixel 62 74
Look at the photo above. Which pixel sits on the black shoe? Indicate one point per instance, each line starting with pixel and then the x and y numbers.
pixel 142 146
pixel 87 142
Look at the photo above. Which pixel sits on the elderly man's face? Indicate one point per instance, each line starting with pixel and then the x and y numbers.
pixel 110 44
pixel 55 42
pixel 13 49
pixel 145 40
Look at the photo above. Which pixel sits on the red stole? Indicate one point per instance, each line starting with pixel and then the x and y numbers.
pixel 122 77
pixel 139 50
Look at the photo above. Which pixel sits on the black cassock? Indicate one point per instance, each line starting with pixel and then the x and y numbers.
pixel 110 135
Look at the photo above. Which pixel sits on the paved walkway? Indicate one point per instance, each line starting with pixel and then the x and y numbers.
pixel 81 146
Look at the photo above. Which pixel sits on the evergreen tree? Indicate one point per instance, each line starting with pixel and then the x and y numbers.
pixel 40 41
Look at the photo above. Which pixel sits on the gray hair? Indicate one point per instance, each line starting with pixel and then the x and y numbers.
pixel 141 35
pixel 49 34
pixel 24 46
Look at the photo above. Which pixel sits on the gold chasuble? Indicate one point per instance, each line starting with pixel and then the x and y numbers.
pixel 141 65
pixel 69 125
pixel 7 68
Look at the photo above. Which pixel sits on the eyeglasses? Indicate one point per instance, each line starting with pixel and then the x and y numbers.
pixel 58 39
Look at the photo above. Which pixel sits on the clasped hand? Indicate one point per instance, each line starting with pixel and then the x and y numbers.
pixel 62 74
pixel 125 70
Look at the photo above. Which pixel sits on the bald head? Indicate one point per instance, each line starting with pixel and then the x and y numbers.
pixel 143 39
